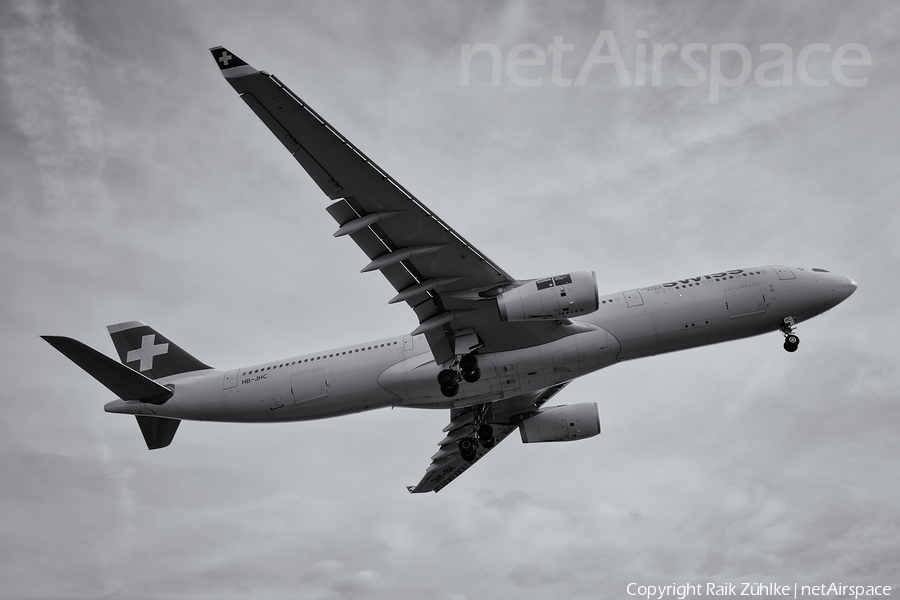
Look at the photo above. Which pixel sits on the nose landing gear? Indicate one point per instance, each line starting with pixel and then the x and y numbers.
pixel 791 340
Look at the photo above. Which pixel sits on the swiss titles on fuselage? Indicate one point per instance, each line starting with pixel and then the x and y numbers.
pixel 697 280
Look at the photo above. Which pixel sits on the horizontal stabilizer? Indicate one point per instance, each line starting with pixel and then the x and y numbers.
pixel 124 382
pixel 158 431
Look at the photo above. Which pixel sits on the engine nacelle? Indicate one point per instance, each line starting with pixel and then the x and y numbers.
pixel 558 297
pixel 562 424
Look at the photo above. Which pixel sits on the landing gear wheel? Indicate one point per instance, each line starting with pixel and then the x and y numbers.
pixel 467 449
pixel 468 363
pixel 447 378
pixel 485 433
pixel 450 390
pixel 791 342
pixel 473 376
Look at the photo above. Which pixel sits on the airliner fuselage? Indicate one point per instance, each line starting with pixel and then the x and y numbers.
pixel 401 371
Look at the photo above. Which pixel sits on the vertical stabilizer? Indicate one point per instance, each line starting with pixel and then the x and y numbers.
pixel 150 353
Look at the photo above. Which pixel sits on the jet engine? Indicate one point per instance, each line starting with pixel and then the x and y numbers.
pixel 558 297
pixel 562 424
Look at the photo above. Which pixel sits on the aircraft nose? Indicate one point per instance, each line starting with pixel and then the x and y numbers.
pixel 851 285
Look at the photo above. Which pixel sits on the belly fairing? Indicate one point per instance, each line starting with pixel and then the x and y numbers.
pixel 503 374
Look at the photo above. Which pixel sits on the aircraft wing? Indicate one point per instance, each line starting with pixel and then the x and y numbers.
pixel 449 284
pixel 505 415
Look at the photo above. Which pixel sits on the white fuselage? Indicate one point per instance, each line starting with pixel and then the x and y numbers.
pixel 400 371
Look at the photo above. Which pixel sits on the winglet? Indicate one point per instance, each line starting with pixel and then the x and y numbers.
pixel 230 64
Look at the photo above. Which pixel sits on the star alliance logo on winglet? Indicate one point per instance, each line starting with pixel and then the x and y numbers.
pixel 146 352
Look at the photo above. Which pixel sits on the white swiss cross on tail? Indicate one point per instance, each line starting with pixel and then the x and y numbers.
pixel 146 352
pixel 225 58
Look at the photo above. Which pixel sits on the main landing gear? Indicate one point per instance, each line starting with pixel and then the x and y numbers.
pixel 484 435
pixel 791 341
pixel 466 368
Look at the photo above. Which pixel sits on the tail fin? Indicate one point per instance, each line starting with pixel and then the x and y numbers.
pixel 148 352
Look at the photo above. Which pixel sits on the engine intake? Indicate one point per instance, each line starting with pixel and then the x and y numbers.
pixel 562 424
pixel 558 297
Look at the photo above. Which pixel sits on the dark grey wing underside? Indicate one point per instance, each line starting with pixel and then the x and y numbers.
pixel 449 284
pixel 447 463
pixel 433 268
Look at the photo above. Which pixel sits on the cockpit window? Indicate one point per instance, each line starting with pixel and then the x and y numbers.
pixel 819 270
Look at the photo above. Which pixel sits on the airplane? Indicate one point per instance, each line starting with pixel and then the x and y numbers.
pixel 489 348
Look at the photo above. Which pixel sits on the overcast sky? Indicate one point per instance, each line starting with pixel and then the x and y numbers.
pixel 136 185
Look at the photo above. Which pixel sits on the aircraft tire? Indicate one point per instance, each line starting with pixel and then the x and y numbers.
pixel 485 433
pixel 473 376
pixel 446 378
pixel 468 363
pixel 791 343
pixel 450 390
pixel 467 449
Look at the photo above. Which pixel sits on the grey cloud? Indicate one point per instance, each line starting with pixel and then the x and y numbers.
pixel 143 189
